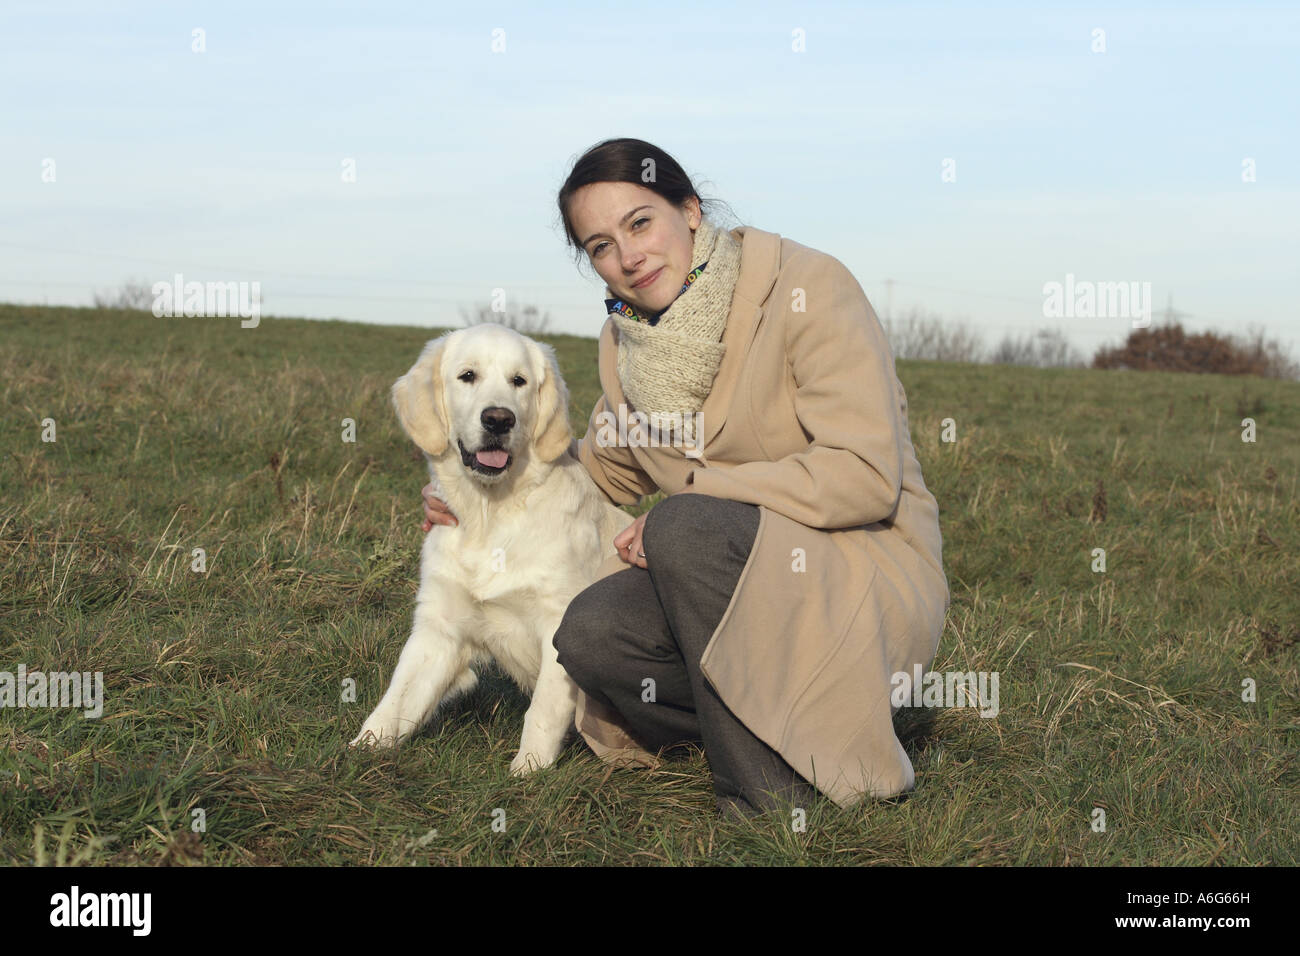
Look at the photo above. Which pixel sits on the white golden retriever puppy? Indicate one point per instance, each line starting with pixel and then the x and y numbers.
pixel 491 412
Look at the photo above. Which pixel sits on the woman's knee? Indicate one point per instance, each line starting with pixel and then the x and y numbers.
pixel 582 640
pixel 683 523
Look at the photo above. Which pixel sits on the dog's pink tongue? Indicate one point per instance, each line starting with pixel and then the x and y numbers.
pixel 493 459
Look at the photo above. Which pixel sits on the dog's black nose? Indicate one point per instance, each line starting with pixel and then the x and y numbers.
pixel 497 420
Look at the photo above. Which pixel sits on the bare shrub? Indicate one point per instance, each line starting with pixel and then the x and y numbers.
pixel 1265 353
pixel 1046 348
pixel 925 335
pixel 132 294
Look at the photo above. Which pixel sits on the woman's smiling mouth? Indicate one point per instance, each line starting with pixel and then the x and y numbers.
pixel 648 279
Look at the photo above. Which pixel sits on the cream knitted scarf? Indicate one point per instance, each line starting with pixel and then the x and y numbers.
pixel 667 369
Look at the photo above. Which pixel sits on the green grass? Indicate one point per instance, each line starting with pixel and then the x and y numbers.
pixel 1120 691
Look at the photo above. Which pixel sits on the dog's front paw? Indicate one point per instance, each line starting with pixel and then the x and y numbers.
pixel 376 734
pixel 525 763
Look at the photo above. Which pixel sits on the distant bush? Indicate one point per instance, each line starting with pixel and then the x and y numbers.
pixel 1169 348
pixel 525 320
pixel 924 335
pixel 1046 348
pixel 132 294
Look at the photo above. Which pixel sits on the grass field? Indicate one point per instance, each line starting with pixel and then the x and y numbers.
pixel 1120 690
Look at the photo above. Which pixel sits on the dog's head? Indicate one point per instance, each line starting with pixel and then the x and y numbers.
pixel 491 394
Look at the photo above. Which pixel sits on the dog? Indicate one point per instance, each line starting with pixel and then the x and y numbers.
pixel 490 411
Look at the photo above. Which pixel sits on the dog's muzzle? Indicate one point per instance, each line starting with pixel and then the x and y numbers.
pixel 488 460
pixel 491 458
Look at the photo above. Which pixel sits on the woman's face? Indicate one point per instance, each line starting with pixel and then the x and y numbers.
pixel 631 233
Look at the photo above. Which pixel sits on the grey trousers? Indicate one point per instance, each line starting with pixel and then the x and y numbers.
pixel 637 624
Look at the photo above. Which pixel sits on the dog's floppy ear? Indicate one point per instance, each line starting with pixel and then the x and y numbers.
pixel 418 399
pixel 551 432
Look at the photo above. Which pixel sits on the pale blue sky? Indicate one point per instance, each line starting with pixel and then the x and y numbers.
pixel 1117 166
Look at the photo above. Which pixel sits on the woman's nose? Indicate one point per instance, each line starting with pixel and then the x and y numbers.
pixel 632 260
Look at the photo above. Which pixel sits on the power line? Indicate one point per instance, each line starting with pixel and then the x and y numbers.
pixel 888 282
pixel 276 294
pixel 246 270
pixel 1169 310
pixel 962 292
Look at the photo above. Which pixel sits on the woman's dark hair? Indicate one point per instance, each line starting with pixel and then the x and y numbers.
pixel 624 161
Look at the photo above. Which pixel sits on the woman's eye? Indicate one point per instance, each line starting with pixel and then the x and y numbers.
pixel 466 376
pixel 519 381
pixel 602 245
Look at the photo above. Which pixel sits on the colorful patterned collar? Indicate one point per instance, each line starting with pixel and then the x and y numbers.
pixel 623 309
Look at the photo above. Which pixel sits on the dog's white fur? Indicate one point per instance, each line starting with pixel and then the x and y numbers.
pixel 529 539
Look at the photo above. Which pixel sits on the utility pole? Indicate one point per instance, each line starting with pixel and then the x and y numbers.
pixel 1172 314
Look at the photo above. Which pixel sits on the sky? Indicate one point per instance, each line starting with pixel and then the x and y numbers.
pixel 956 157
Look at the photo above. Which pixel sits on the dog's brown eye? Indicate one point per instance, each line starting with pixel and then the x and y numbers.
pixel 466 376
pixel 519 381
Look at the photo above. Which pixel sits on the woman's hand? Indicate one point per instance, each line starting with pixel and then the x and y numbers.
pixel 435 509
pixel 628 542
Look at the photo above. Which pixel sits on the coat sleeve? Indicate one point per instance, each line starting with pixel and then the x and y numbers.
pixel 613 469
pixel 851 472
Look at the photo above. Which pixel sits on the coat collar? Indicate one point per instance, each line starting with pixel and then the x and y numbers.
pixel 760 261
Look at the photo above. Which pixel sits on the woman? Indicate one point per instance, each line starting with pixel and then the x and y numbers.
pixel 765 607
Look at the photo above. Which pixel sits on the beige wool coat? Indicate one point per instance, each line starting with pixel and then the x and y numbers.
pixel 844 586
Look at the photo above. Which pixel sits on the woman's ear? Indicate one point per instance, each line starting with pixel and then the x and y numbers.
pixel 551 432
pixel 418 399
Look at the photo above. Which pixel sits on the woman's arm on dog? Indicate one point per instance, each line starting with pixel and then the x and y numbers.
pixel 435 509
